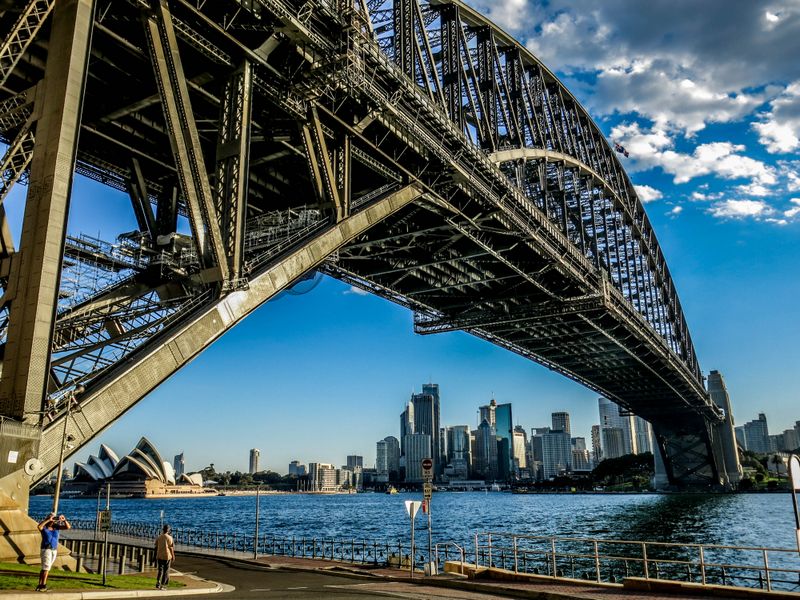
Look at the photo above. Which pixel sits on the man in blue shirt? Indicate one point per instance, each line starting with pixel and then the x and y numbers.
pixel 49 529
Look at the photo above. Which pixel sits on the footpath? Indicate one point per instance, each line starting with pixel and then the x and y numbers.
pixel 399 583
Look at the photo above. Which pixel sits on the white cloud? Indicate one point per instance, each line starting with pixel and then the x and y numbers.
pixel 357 291
pixel 676 210
pixel 754 189
pixel 794 211
pixel 779 129
pixel 647 193
pixel 721 159
pixel 740 209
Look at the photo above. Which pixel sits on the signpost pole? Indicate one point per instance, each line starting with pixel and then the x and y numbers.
pixel 413 514
pixel 794 473
pixel 255 537
pixel 430 539
pixel 105 533
pixel 427 490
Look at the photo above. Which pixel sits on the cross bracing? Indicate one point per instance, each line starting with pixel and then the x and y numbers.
pixel 436 160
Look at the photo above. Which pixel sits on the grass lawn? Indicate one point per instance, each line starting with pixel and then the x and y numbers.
pixel 14 576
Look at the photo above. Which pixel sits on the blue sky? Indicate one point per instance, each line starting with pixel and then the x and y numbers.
pixel 705 97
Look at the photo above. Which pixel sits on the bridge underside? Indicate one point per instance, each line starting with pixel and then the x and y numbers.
pixel 441 167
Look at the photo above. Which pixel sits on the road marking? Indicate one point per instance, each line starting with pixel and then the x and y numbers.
pixel 302 587
pixel 261 590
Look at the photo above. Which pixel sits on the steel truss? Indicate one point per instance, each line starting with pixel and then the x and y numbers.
pixel 440 163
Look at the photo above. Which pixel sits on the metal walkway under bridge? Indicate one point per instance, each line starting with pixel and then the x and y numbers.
pixel 412 149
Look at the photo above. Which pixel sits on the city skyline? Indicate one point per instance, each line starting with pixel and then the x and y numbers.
pixel 712 146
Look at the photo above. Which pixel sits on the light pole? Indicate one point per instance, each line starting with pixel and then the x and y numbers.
pixel 64 440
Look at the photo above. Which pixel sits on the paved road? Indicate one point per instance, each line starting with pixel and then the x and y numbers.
pixel 252 582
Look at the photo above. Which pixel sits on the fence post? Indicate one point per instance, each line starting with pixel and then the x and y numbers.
pixel 702 565
pixel 766 570
pixel 553 550
pixel 596 561
pixel 476 553
pixel 489 559
pixel 644 558
pixel 516 562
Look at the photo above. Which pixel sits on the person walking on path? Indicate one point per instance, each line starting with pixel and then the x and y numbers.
pixel 49 529
pixel 165 554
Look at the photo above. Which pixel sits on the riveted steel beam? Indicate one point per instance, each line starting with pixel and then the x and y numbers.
pixel 184 138
pixel 34 280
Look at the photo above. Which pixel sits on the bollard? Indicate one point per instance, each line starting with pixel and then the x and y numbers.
pixel 141 561
pixel 79 564
pixel 121 569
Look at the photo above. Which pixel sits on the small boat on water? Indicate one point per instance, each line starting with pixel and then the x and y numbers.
pixel 391 490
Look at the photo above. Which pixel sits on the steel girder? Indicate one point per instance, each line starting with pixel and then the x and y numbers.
pixel 525 230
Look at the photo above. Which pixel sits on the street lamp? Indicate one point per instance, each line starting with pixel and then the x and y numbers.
pixel 65 439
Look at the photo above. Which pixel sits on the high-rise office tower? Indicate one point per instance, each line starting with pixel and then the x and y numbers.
pixel 426 420
pixel 520 447
pixel 487 413
pixel 387 457
pixel 644 435
pixel 418 446
pixel 612 418
pixel 504 430
pixel 297 469
pixel 255 453
pixel 459 452
pixel 556 453
pixel 597 448
pixel 179 465
pixel 485 457
pixel 756 434
pixel 406 425
pixel 561 422
pixel 354 460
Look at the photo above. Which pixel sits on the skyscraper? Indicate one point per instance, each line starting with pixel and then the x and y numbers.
pixel 561 422
pixel 504 430
pixel 556 453
pixel 406 425
pixel 612 418
pixel 459 454
pixel 297 469
pixel 520 447
pixel 487 413
pixel 255 453
pixel 485 457
pixel 597 449
pixel 426 420
pixel 756 435
pixel 387 458
pixel 418 446
pixel 179 465
pixel 354 460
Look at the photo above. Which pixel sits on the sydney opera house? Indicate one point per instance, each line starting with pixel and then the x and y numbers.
pixel 140 473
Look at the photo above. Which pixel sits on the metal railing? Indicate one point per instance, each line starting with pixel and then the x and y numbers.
pixel 373 552
pixel 603 560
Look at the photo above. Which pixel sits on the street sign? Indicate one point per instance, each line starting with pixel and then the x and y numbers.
pixel 427 490
pixel 427 469
pixel 105 520
pixel 412 506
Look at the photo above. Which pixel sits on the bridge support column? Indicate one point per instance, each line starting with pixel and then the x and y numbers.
pixel 35 270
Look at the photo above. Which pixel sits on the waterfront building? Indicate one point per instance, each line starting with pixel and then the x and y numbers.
pixel 354 460
pixel 610 418
pixel 644 435
pixel 485 458
pixel 537 452
pixel 459 451
pixel 141 473
pixel 581 459
pixel 614 442
pixel 578 443
pixel 504 430
pixel 426 420
pixel 740 438
pixel 556 453
pixel 756 435
pixel 791 439
pixel 297 469
pixel 561 422
pixel 520 447
pixel 254 455
pixel 387 458
pixel 179 465
pixel 418 446
pixel 406 426
pixel 322 477
pixel 597 448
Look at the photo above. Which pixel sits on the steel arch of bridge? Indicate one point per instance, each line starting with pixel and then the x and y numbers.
pixel 413 149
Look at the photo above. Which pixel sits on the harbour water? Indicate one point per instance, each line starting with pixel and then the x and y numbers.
pixel 740 520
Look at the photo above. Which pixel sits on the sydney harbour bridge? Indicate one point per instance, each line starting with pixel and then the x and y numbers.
pixel 412 149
